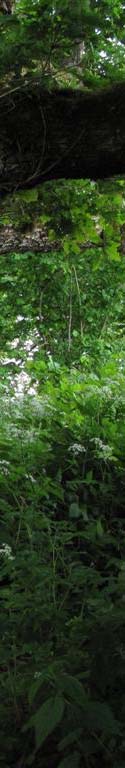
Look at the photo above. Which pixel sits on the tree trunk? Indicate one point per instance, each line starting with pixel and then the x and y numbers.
pixel 12 239
pixel 60 134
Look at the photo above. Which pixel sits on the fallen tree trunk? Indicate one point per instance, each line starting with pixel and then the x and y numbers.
pixel 12 239
pixel 60 134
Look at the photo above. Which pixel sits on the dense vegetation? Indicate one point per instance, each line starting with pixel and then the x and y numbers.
pixel 62 425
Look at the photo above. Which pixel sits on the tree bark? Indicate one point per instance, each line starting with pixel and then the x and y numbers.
pixel 12 239
pixel 60 134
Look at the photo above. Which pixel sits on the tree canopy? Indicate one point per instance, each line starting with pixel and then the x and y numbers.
pixel 49 131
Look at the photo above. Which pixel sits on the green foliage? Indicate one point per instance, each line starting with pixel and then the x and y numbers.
pixel 62 425
pixel 62 575
pixel 70 298
pixel 46 719
pixel 63 43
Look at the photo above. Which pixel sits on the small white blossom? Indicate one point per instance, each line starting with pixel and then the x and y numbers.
pixel 76 448
pixel 6 550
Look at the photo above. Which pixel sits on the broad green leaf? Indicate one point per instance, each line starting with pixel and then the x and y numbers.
pixel 74 511
pixel 99 529
pixel 72 687
pixel 72 736
pixel 36 685
pixel 47 718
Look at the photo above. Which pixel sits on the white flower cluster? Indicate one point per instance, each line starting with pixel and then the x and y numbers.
pixel 6 550
pixel 76 448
